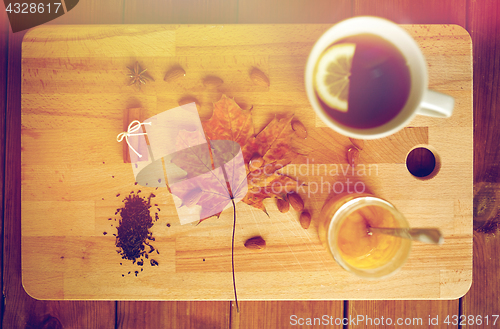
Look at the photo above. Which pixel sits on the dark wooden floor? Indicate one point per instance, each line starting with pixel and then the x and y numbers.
pixel 480 17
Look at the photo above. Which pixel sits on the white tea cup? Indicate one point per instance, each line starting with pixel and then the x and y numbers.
pixel 420 100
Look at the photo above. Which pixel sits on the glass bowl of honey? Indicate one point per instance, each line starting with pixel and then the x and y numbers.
pixel 344 231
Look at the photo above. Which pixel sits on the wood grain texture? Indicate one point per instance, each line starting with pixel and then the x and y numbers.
pixel 485 127
pixel 180 12
pixel 295 11
pixel 484 27
pixel 486 207
pixel 272 314
pixel 4 51
pixel 21 310
pixel 175 315
pixel 93 12
pixel 89 178
pixel 412 12
pixel 65 314
pixel 407 11
pixel 482 298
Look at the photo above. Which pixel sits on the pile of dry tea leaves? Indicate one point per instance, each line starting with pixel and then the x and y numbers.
pixel 133 229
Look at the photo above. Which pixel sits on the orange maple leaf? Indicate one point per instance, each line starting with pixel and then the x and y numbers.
pixel 213 184
pixel 230 122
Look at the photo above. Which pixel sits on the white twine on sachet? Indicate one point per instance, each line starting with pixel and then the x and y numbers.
pixel 132 128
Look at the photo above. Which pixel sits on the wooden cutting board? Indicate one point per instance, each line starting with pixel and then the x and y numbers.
pixel 74 92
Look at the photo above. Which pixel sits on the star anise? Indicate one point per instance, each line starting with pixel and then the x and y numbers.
pixel 138 77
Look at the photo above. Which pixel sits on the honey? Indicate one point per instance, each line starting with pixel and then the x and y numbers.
pixel 361 249
pixel 343 230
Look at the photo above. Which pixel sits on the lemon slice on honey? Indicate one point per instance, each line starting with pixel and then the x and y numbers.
pixel 332 75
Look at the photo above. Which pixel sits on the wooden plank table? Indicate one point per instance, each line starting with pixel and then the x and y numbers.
pixel 480 18
pixel 73 94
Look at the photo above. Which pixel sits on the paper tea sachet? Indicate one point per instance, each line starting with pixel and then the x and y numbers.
pixel 203 176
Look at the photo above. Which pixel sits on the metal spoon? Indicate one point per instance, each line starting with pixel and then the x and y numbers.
pixel 426 235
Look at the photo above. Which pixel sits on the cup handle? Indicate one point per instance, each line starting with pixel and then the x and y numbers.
pixel 436 104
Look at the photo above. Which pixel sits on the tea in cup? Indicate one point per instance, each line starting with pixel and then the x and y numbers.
pixel 366 78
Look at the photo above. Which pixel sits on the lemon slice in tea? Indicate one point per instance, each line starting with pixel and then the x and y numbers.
pixel 332 75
